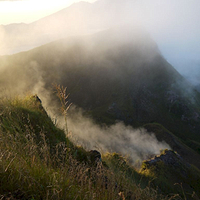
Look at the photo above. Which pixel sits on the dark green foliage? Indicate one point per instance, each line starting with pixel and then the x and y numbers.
pixel 172 174
pixel 162 134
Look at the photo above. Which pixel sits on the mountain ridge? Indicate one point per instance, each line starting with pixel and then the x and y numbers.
pixel 113 75
pixel 79 18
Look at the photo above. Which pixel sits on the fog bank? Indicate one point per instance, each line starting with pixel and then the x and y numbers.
pixel 136 144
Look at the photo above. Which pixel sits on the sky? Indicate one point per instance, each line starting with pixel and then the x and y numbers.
pixel 173 24
pixel 27 11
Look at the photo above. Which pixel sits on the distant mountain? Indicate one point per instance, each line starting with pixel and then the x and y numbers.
pixel 78 19
pixel 117 74
pixel 198 88
pixel 191 72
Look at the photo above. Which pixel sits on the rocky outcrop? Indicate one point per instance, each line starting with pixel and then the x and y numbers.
pixel 94 156
pixel 170 159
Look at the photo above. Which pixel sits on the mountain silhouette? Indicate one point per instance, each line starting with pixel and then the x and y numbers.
pixel 78 19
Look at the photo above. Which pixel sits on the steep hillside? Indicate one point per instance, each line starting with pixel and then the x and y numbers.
pixel 39 162
pixel 114 75
pixel 198 88
pixel 170 169
pixel 176 144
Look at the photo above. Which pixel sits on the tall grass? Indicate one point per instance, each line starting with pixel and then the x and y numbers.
pixel 29 172
pixel 65 104
pixel 37 162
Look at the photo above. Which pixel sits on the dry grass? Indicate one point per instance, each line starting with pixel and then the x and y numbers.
pixel 29 172
pixel 30 169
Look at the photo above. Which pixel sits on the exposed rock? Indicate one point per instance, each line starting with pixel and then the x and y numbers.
pixel 38 102
pixel 94 156
pixel 170 159
pixel 171 96
pixel 37 98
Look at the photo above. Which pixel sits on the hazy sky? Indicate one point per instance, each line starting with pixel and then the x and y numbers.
pixel 17 11
pixel 173 24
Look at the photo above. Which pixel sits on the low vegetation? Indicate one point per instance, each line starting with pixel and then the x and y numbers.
pixel 173 174
pixel 37 161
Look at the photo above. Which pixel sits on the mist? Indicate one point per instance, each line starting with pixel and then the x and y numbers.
pixel 135 144
pixel 174 26
pixel 86 65
pixel 112 62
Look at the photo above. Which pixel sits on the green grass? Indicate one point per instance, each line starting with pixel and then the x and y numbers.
pixel 37 161
pixel 178 177
pixel 162 134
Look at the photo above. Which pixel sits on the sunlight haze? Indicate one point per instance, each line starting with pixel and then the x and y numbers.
pixel 173 25
pixel 27 11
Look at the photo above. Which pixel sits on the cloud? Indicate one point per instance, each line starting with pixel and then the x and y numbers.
pixel 137 144
pixel 175 27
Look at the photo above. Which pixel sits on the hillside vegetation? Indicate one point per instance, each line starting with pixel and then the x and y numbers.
pixel 39 162
pixel 121 82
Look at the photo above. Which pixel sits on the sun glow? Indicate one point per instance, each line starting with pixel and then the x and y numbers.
pixel 30 10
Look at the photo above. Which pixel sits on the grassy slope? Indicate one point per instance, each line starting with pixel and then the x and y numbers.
pixel 136 102
pixel 162 134
pixel 39 162
pixel 173 175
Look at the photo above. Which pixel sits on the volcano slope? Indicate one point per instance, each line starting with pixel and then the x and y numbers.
pixel 116 74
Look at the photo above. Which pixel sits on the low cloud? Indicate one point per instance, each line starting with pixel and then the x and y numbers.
pixel 59 66
pixel 137 144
